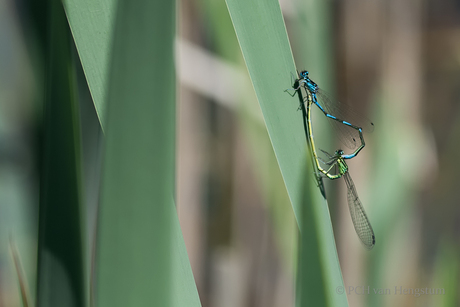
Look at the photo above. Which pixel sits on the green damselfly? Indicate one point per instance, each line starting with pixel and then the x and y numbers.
pixel 358 215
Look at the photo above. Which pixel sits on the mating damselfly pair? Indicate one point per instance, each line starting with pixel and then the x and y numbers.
pixel 350 131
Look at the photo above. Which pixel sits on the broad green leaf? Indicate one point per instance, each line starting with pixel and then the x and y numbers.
pixel 139 238
pixel 92 24
pixel 264 43
pixel 60 267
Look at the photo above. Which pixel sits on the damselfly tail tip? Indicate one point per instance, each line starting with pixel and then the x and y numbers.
pixel 371 246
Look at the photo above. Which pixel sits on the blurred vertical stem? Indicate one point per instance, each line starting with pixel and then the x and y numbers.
pixel 313 49
pixel 134 241
pixel 60 264
pixel 401 145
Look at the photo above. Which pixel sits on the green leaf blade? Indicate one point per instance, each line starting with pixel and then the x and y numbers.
pixel 138 225
pixel 92 24
pixel 60 265
pixel 265 46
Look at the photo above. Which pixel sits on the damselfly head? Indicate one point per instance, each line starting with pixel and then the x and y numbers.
pixel 304 74
pixel 339 152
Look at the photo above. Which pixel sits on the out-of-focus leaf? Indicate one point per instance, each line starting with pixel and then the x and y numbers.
pixel 141 258
pixel 60 265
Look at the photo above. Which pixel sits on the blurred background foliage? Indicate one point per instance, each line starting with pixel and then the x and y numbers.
pixel 397 61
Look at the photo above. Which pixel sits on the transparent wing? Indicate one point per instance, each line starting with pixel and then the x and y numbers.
pixel 358 215
pixel 346 135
